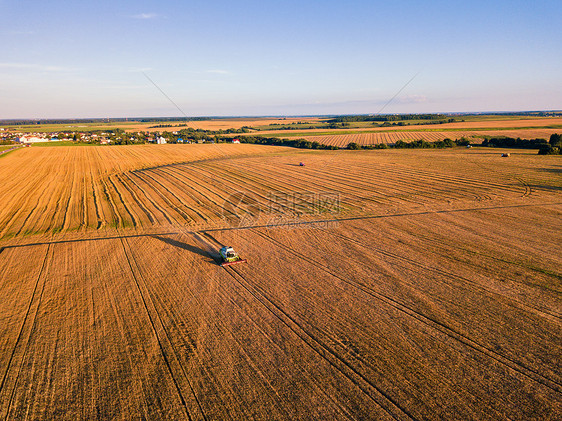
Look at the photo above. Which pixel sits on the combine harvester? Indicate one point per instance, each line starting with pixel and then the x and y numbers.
pixel 230 257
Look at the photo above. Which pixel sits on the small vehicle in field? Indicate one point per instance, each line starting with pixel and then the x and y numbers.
pixel 230 257
pixel 301 164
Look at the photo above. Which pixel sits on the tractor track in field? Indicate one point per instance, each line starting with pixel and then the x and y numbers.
pixel 528 189
pixel 187 190
pixel 347 350
pixel 159 174
pixel 99 219
pixel 161 193
pixel 255 186
pixel 193 193
pixel 85 212
pixel 147 196
pixel 65 219
pixel 134 218
pixel 446 274
pixel 210 245
pixel 308 374
pixel 296 223
pixel 408 174
pixel 214 193
pixel 13 218
pixel 328 185
pixel 381 398
pixel 21 333
pixel 438 244
pixel 147 212
pixel 130 260
pixel 112 206
pixel 435 324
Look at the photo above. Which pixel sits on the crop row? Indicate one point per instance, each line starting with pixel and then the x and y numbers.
pixel 391 137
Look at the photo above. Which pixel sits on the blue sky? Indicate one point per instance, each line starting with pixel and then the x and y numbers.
pixel 216 57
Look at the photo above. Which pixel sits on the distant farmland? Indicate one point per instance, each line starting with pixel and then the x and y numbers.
pixel 390 137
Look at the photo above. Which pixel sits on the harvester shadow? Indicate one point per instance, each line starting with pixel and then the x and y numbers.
pixel 194 249
pixel 551 170
pixel 544 187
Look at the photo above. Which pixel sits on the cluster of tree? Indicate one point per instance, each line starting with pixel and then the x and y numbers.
pixel 357 146
pixel 389 117
pixel 415 144
pixel 525 114
pixel 167 125
pixel 293 143
pixel 553 147
pixel 157 119
pixel 303 126
pixel 516 143
pixel 190 131
pixel 424 144
pixel 209 136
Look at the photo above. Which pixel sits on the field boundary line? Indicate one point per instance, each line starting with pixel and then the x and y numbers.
pixel 365 217
pixel 198 161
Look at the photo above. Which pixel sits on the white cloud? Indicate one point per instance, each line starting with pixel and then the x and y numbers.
pixel 140 69
pixel 218 72
pixel 145 16
pixel 35 67
pixel 22 32
pixel 411 99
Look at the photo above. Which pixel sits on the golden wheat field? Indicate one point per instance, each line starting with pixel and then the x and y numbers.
pixel 388 284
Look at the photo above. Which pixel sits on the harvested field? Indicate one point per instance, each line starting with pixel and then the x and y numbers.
pixel 498 122
pixel 50 190
pixel 78 189
pixel 390 137
pixel 392 284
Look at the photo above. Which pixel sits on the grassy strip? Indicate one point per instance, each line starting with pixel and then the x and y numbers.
pixel 63 143
pixel 4 151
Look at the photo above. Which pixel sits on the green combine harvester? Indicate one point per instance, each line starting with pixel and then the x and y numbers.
pixel 230 257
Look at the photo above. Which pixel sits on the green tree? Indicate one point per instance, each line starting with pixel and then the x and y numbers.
pixel 555 140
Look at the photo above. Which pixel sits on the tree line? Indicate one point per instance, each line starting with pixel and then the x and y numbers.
pixel 553 146
pixel 389 117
